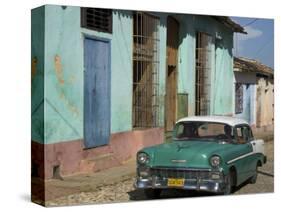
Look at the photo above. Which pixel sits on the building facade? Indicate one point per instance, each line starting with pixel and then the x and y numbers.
pixel 106 83
pixel 254 93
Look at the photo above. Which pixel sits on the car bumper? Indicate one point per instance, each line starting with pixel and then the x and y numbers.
pixel 209 185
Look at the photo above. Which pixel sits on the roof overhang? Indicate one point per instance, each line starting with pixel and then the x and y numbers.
pixel 249 65
pixel 226 21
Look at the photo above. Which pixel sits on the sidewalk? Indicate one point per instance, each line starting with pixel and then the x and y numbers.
pixel 56 188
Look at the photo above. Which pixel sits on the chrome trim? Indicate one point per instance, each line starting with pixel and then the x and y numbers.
pixel 216 186
pixel 199 181
pixel 178 161
pixel 240 157
pixel 181 168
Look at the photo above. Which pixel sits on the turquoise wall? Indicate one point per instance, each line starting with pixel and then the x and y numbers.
pixel 221 62
pixel 162 65
pixel 37 73
pixel 61 50
pixel 64 72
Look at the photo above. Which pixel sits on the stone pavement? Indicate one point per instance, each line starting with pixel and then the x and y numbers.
pixel 56 188
pixel 65 186
pixel 124 191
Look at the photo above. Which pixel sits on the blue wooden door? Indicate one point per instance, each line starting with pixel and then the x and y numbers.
pixel 96 92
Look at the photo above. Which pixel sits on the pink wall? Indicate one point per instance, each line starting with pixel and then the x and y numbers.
pixel 72 158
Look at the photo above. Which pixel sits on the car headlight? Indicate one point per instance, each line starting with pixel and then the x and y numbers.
pixel 215 161
pixel 142 158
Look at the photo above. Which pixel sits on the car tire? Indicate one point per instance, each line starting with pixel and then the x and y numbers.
pixel 253 179
pixel 152 193
pixel 229 184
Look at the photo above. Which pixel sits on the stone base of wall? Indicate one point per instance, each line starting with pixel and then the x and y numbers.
pixel 69 158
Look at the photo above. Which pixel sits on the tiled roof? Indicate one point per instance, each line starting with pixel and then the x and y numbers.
pixel 242 64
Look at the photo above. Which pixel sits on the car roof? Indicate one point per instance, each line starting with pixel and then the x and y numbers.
pixel 232 121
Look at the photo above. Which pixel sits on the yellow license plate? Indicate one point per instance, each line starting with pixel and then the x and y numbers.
pixel 173 182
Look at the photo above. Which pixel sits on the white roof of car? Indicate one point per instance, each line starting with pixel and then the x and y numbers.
pixel 232 121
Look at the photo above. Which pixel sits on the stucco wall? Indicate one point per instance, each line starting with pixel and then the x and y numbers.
pixel 258 99
pixel 62 65
pixel 221 62
pixel 248 112
pixel 265 103
pixel 64 72
pixel 249 96
pixel 37 73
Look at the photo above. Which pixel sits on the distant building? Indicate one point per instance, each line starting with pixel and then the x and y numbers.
pixel 254 93
pixel 106 83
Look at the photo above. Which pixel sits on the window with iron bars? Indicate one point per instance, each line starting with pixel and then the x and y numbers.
pixel 203 73
pixel 145 70
pixel 238 98
pixel 96 19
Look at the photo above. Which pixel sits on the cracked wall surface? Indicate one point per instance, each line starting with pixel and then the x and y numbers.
pixel 60 67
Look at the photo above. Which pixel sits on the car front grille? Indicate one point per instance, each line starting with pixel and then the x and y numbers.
pixel 180 173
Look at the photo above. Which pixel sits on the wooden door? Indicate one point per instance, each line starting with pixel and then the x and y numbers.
pixel 96 93
pixel 171 72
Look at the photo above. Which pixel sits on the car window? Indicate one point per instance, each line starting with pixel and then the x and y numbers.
pixel 183 130
pixel 180 129
pixel 243 134
pixel 203 131
pixel 210 129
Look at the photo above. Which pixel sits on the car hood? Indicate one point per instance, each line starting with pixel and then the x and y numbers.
pixel 192 154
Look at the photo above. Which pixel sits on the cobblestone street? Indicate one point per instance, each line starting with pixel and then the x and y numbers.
pixel 124 191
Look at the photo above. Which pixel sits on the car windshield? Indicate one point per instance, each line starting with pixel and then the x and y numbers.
pixel 204 131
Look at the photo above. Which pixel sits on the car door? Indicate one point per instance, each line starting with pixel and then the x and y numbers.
pixel 252 158
pixel 244 162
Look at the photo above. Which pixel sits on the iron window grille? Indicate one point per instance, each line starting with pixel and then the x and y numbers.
pixel 238 98
pixel 203 73
pixel 96 19
pixel 145 70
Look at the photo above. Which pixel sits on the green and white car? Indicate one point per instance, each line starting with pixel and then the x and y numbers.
pixel 207 153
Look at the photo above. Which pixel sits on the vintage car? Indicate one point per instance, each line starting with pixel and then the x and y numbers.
pixel 206 153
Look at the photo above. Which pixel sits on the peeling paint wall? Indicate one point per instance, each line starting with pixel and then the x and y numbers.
pixel 64 72
pixel 37 73
pixel 221 63
pixel 258 99
pixel 264 102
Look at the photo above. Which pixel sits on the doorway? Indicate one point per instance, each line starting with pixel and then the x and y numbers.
pixel 96 92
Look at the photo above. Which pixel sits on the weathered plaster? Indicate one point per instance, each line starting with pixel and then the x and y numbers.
pixel 64 69
pixel 265 88
pixel 37 73
pixel 221 62
pixel 65 75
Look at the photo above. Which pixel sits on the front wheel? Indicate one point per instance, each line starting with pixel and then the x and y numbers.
pixel 152 193
pixel 228 189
